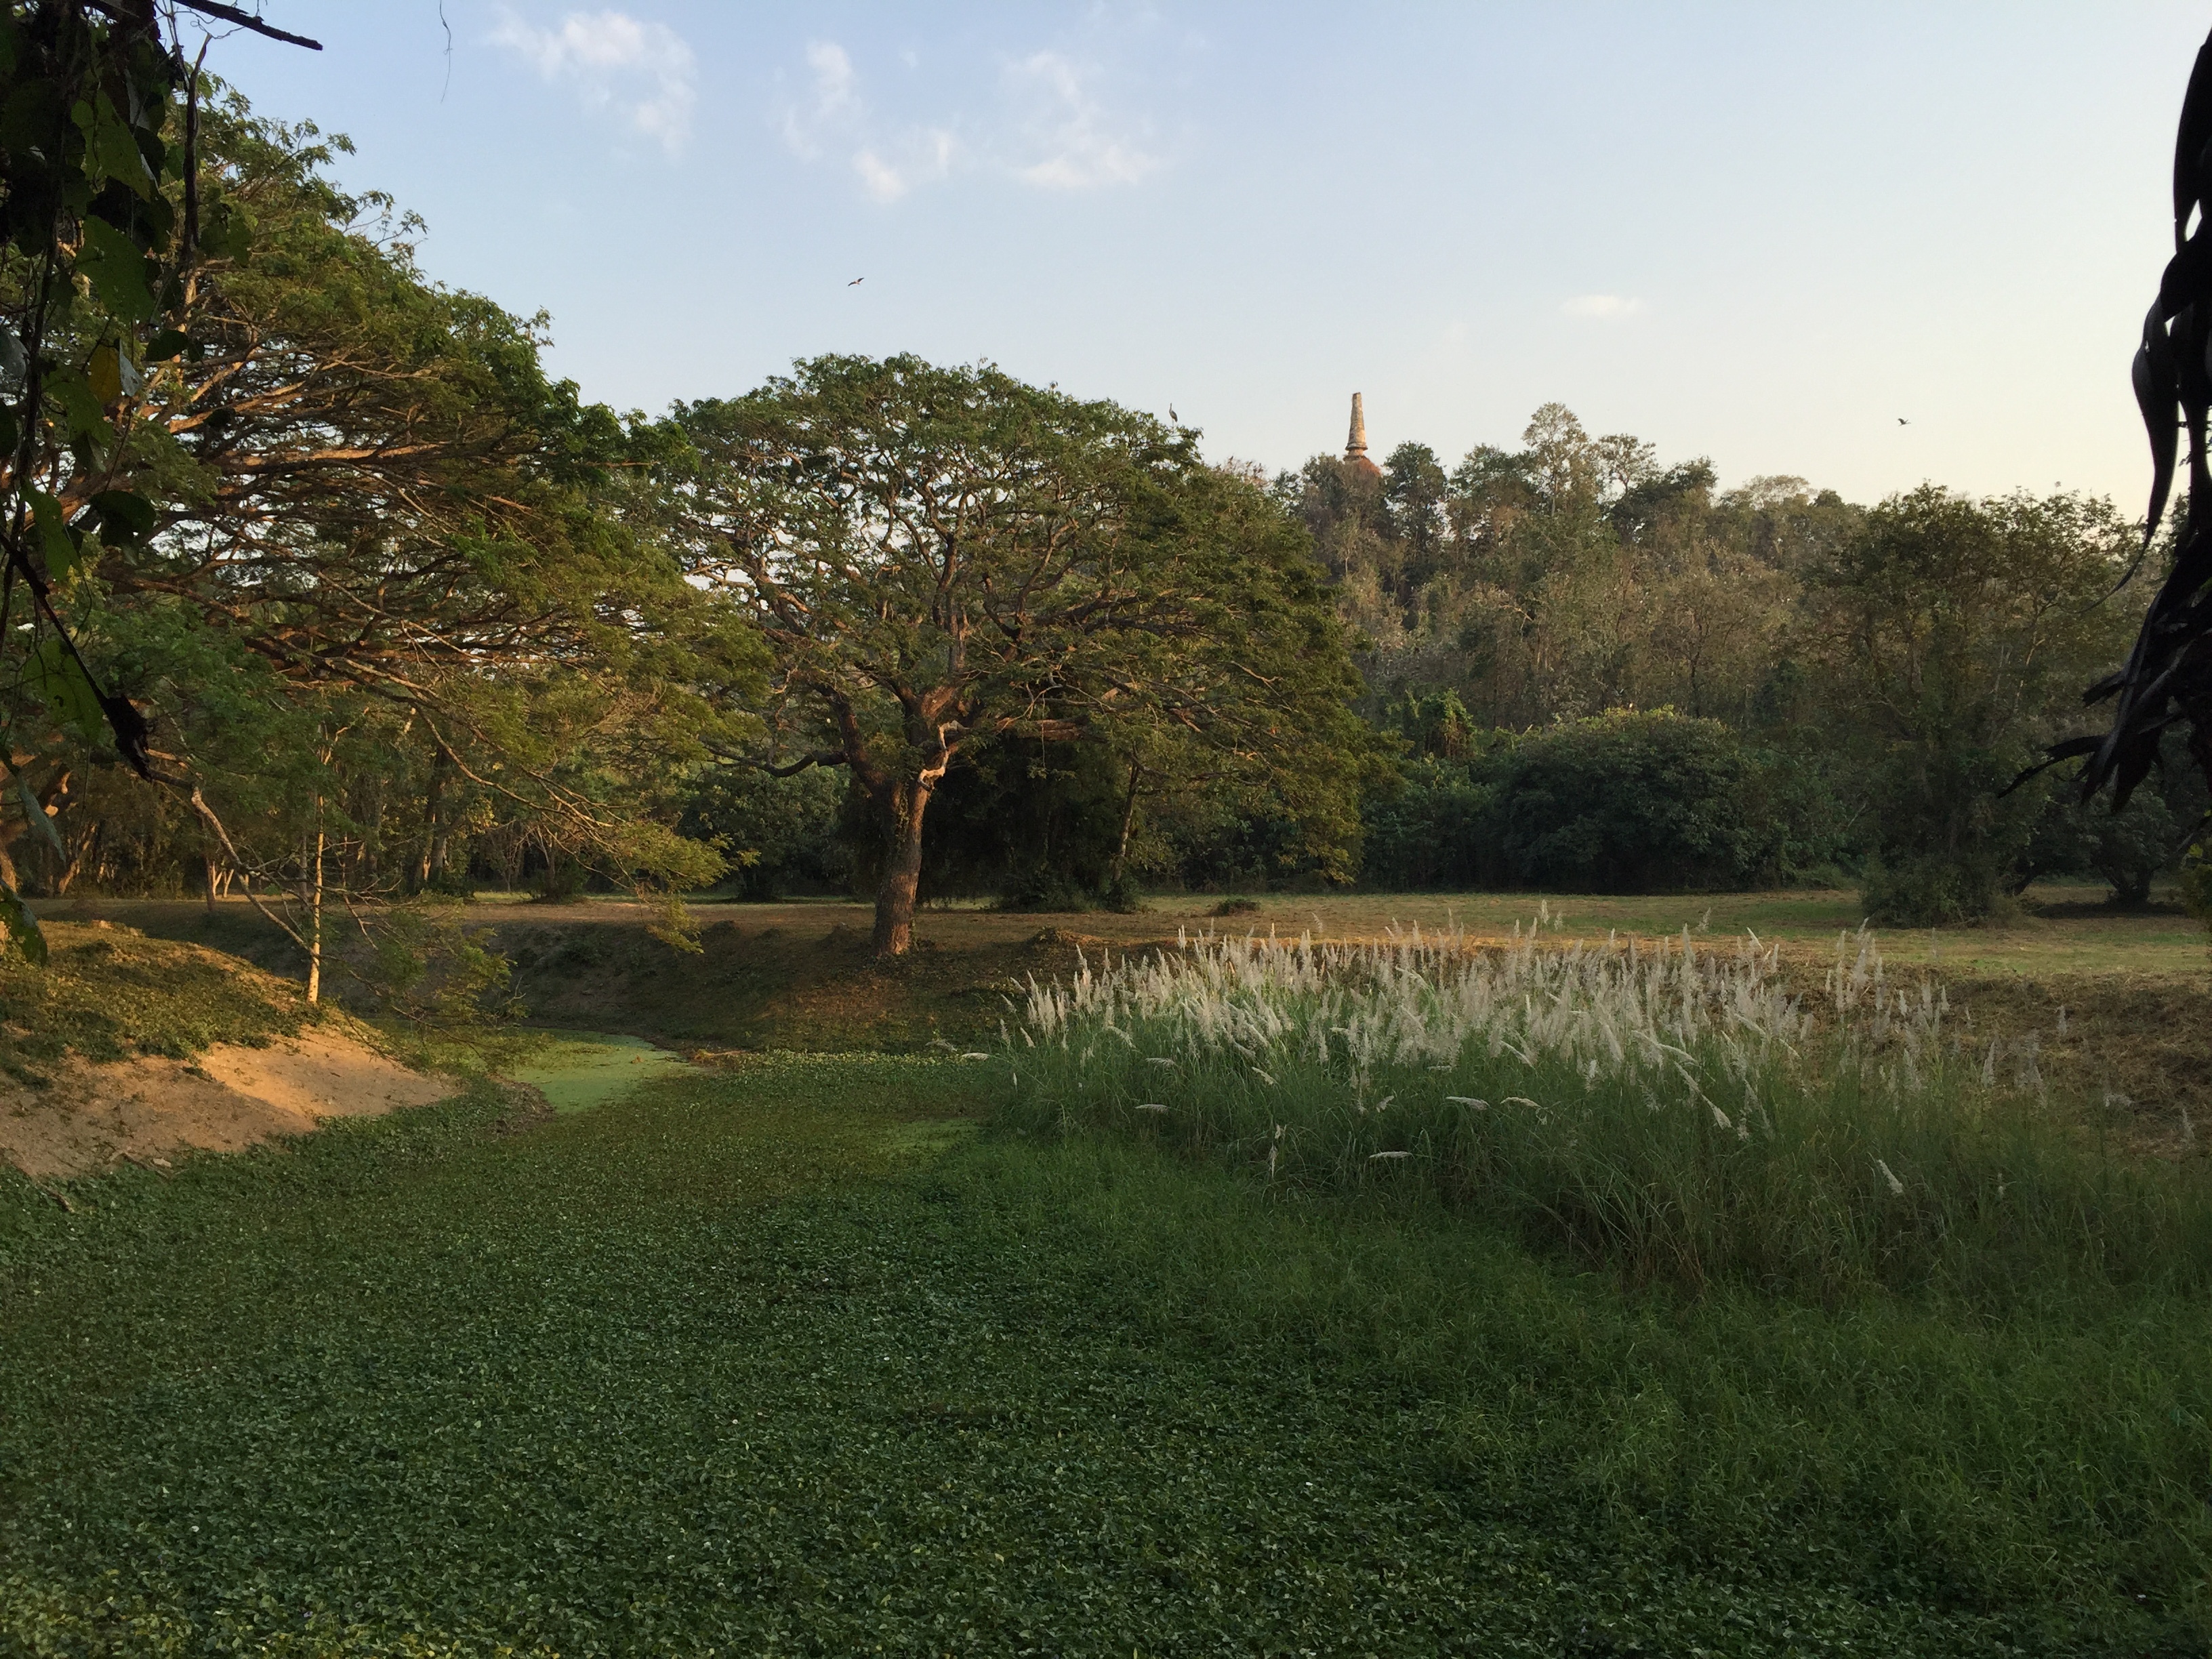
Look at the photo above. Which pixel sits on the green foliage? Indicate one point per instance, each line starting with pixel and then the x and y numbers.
pixel 1892 670
pixel 1434 725
pixel 1955 633
pixel 2129 848
pixel 1630 802
pixel 425 966
pixel 689 1373
pixel 93 256
pixel 1622 802
pixel 2197 882
pixel 366 569
pixel 109 993
pixel 1432 828
pixel 1569 576
pixel 778 835
pixel 1037 825
pixel 942 558
pixel 25 936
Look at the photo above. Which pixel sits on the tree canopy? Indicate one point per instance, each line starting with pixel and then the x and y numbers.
pixel 938 558
pixel 371 599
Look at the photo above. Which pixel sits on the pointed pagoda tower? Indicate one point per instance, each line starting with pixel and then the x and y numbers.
pixel 1355 446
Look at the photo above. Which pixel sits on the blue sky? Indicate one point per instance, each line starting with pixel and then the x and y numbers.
pixel 1761 232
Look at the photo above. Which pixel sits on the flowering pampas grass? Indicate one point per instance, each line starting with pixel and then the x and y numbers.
pixel 1678 1111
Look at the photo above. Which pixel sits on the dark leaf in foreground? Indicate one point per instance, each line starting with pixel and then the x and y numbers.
pixel 2167 678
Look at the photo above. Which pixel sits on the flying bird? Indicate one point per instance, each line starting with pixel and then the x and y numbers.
pixel 856 282
pixel 1901 420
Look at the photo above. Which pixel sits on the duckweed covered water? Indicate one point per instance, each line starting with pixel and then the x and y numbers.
pixel 579 1069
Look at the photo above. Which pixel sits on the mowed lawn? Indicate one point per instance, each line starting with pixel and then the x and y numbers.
pixel 796 1357
pixel 2057 929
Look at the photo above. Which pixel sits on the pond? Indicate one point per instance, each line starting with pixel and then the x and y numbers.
pixel 579 1069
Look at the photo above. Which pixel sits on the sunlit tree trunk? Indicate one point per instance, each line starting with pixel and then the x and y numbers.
pixel 311 899
pixel 902 880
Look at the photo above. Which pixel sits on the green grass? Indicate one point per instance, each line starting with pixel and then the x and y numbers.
pixel 108 993
pixel 786 1359
pixel 1670 1115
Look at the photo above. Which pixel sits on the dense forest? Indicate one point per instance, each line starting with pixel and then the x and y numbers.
pixel 1582 669
pixel 412 618
pixel 1608 673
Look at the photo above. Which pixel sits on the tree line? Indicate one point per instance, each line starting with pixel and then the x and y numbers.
pixel 1609 672
pixel 344 604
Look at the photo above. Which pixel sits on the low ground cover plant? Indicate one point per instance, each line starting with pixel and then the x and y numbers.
pixel 1681 1114
pixel 776 1358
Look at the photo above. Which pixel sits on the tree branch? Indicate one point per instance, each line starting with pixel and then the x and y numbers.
pixel 245 20
pixel 827 757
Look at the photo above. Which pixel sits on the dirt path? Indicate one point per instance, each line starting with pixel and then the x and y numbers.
pixel 150 1110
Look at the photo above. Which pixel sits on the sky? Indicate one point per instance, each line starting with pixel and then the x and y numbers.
pixel 1870 246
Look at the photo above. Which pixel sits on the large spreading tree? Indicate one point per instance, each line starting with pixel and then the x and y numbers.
pixel 940 557
pixel 335 557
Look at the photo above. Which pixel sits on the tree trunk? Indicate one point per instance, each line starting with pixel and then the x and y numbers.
pixel 311 895
pixel 902 880
pixel 67 870
pixel 366 851
pixel 207 856
pixel 1128 818
pixel 432 851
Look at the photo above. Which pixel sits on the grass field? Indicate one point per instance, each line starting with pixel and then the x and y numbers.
pixel 2121 1001
pixel 851 1352
pixel 787 1358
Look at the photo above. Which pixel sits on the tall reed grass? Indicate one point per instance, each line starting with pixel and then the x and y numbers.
pixel 1678 1112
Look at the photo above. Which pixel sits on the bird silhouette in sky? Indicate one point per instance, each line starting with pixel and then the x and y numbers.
pixel 1901 420
pixel 856 282
pixel 1172 415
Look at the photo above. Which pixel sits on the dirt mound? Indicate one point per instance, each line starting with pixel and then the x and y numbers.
pixel 147 1110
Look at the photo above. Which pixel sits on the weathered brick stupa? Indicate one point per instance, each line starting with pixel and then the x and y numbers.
pixel 1355 446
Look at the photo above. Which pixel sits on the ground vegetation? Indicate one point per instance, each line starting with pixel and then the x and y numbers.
pixel 871 1378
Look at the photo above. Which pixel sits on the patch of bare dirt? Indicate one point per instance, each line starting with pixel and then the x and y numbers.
pixel 150 1110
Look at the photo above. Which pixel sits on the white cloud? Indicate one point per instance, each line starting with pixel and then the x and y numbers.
pixel 1049 130
pixel 1081 149
pixel 1606 307
pixel 835 113
pixel 922 156
pixel 644 72
pixel 835 99
pixel 882 179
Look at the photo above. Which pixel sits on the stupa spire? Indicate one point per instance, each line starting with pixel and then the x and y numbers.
pixel 1355 446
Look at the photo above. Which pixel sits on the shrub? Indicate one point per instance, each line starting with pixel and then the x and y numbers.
pixel 789 825
pixel 2129 848
pixel 1431 830
pixel 2197 881
pixel 1625 802
pixel 1947 838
